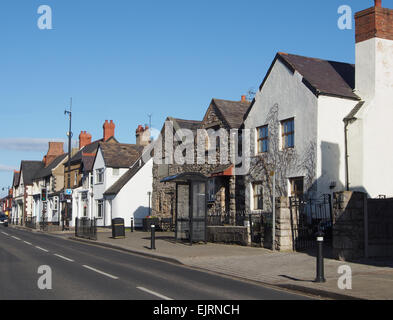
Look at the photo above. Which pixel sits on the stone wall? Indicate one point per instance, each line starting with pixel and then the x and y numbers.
pixel 348 225
pixel 232 235
pixel 380 227
pixel 164 194
pixel 284 231
pixel 362 227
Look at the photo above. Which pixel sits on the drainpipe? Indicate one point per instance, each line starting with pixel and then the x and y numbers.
pixel 346 122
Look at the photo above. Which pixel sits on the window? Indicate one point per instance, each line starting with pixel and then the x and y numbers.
pixel 76 179
pixel 55 203
pixel 258 196
pixel 211 190
pixel 99 176
pixel 288 133
pixel 115 171
pixel 91 179
pixel 263 139
pixel 100 209
pixel 297 185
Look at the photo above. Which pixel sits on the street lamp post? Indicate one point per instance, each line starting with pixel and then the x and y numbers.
pixel 69 134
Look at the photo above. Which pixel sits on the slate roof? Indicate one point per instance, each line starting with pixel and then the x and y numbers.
pixel 119 155
pixel 88 162
pixel 29 169
pixel 232 112
pixel 192 125
pixel 45 172
pixel 325 77
pixel 90 148
pixel 320 76
pixel 16 179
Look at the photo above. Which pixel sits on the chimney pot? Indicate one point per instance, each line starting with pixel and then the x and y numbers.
pixel 244 99
pixel 378 3
pixel 84 139
pixel 109 130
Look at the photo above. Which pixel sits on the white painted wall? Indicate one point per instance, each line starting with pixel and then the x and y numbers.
pixel 371 155
pixel 133 200
pixel 100 188
pixel 331 142
pixel 294 99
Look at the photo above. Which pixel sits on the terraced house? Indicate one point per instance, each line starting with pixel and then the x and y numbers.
pixel 50 181
pixel 79 177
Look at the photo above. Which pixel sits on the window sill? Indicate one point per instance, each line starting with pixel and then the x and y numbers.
pixel 256 211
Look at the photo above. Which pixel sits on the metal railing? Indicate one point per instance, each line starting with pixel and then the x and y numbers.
pixel 31 222
pixel 86 228
pixel 227 218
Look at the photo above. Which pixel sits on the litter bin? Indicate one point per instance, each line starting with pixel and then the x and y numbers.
pixel 118 230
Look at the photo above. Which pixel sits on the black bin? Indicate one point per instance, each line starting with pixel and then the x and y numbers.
pixel 118 230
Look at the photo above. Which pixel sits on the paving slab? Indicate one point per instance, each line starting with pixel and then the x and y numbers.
pixel 371 279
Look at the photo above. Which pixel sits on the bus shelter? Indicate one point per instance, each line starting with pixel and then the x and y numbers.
pixel 191 206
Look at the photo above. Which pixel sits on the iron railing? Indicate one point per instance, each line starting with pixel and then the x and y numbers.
pixel 226 218
pixel 309 216
pixel 86 228
pixel 31 222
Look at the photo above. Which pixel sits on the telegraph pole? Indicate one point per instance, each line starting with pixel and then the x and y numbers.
pixel 69 134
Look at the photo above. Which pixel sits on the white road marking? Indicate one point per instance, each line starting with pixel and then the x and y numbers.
pixel 28 243
pixel 42 249
pixel 154 293
pixel 65 258
pixel 16 238
pixel 5 233
pixel 101 272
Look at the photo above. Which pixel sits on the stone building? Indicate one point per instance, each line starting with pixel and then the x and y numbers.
pixel 226 192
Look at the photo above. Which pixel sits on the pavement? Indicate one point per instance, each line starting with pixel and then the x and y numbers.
pixel 73 270
pixel 371 279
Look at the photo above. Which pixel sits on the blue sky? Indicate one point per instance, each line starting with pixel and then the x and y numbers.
pixel 122 60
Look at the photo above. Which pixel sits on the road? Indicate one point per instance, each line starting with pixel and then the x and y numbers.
pixel 84 272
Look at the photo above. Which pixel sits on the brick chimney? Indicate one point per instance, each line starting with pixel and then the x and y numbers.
pixel 374 50
pixel 84 139
pixel 55 150
pixel 142 136
pixel 109 130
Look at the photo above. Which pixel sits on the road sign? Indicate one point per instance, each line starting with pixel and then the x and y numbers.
pixel 68 192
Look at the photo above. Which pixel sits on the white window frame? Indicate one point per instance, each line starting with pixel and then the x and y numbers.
pixel 101 201
pixel 100 173
pixel 253 203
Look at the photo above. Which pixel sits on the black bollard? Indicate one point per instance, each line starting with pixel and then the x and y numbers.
pixel 153 237
pixel 320 264
pixel 132 224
